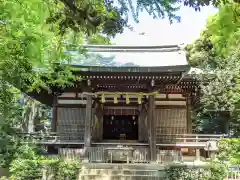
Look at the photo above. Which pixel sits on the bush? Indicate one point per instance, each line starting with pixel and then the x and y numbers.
pixel 37 169
pixel 22 169
pixel 214 171
pixel 229 150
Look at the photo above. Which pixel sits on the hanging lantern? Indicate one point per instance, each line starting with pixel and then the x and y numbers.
pixel 115 99
pixel 103 98
pixel 127 99
pixel 133 117
pixel 140 99
pixel 112 117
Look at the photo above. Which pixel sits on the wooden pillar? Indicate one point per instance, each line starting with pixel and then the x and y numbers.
pixel 142 134
pixel 54 115
pixel 88 118
pixel 99 119
pixel 152 127
pixel 189 115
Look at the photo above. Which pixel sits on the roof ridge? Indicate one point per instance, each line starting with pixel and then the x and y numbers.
pixel 131 46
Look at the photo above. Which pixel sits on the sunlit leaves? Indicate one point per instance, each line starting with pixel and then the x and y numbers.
pixel 217 53
pixel 229 150
pixel 224 28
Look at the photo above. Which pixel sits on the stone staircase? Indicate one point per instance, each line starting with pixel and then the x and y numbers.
pixel 120 172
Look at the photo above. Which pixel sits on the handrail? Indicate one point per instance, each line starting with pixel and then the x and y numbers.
pixel 57 133
pixel 203 135
pixel 55 137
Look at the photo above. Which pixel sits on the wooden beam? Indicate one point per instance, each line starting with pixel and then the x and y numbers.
pixel 110 75
pixel 138 81
pixel 131 99
pixel 124 105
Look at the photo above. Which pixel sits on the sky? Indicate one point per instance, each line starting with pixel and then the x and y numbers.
pixel 161 32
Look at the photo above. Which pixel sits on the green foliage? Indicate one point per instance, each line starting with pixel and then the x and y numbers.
pixel 108 16
pixel 212 122
pixel 218 171
pixel 214 171
pixel 111 16
pixel 26 163
pixel 217 54
pixel 23 169
pixel 202 53
pixel 229 151
pixel 9 120
pixel 68 170
pixel 56 169
pixel 224 28
pixel 186 173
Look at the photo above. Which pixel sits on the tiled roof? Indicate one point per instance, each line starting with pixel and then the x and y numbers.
pixel 105 55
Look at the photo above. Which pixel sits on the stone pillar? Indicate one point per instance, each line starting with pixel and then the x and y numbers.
pixel 87 135
pixel 152 128
pixel 198 157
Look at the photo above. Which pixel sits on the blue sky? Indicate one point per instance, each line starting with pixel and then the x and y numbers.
pixel 161 32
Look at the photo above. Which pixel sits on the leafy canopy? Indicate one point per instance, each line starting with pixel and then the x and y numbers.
pixel 217 53
pixel 224 28
pixel 111 16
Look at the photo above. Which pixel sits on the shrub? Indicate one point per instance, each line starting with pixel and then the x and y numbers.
pixel 213 171
pixel 54 169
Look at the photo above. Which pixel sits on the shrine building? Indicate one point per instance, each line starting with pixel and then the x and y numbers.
pixel 130 114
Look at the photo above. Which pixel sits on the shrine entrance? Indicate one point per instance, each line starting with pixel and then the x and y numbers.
pixel 120 127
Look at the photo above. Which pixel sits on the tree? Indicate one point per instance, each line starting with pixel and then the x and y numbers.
pixel 27 45
pixel 201 53
pixel 217 53
pixel 224 28
pixel 30 50
pixel 112 15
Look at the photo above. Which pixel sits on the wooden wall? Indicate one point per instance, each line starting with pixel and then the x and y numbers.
pixel 71 122
pixel 171 117
pixel 170 121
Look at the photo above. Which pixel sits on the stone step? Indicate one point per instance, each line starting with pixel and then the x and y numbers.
pixel 120 174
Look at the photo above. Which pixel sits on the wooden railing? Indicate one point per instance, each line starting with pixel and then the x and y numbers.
pixel 186 138
pixel 139 155
pixel 71 154
pixel 135 155
pixel 161 139
pixel 164 156
pixel 52 138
